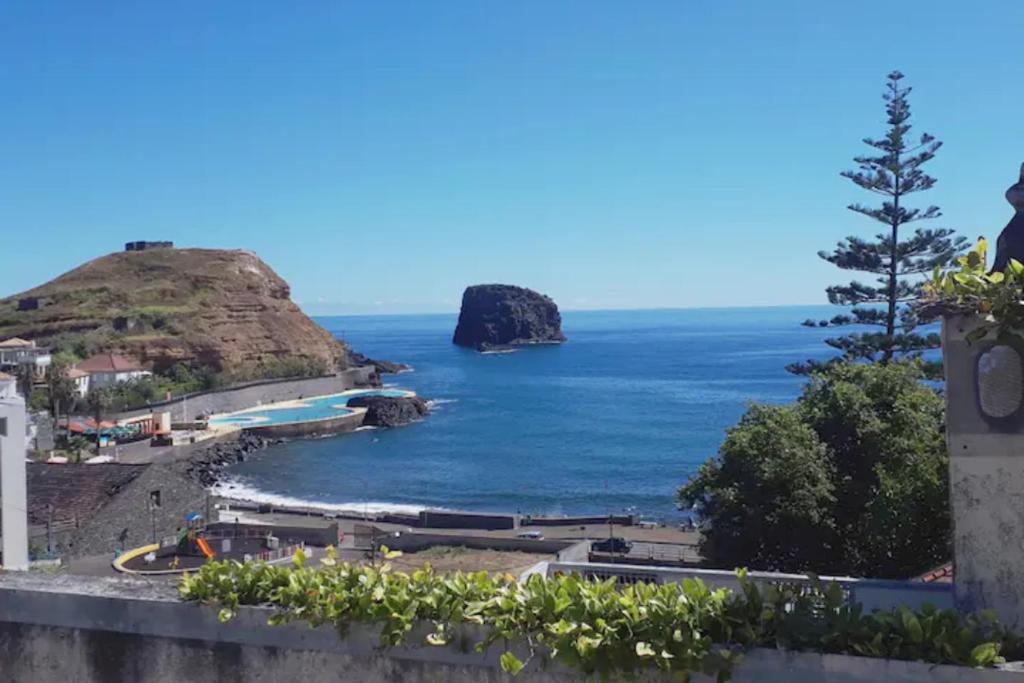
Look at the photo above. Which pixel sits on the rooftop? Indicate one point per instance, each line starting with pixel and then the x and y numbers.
pixel 108 362
pixel 74 491
pixel 16 343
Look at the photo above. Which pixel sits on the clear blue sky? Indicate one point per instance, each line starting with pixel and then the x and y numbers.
pixel 383 155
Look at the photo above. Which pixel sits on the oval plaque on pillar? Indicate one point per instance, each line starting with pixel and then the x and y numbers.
pixel 999 376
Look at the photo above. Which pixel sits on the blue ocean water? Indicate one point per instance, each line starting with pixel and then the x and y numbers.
pixel 613 420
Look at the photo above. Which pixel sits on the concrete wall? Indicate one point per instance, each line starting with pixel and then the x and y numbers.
pixel 13 483
pixel 334 425
pixel 986 475
pixel 255 394
pixel 55 629
pixel 415 542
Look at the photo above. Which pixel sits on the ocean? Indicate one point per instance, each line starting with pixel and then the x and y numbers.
pixel 612 421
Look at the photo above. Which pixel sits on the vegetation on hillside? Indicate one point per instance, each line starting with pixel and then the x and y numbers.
pixel 223 310
pixel 851 479
pixel 896 260
pixel 596 627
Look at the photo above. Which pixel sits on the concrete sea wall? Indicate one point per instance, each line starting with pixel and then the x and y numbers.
pixel 257 393
pixel 56 629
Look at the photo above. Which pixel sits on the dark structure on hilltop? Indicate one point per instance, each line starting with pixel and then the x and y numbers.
pixel 504 315
pixel 143 245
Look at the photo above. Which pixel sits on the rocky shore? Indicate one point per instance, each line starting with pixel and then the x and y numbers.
pixel 390 411
pixel 205 467
pixel 382 367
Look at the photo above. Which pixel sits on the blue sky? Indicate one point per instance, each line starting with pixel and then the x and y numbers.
pixel 383 155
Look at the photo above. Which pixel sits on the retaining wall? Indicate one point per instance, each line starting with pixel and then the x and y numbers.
pixel 55 629
pixel 415 542
pixel 249 395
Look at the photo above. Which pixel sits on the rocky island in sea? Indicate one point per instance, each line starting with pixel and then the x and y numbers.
pixel 495 316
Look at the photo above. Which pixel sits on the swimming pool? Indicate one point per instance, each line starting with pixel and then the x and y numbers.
pixel 301 410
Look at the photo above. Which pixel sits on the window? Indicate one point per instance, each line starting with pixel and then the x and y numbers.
pixel 3 426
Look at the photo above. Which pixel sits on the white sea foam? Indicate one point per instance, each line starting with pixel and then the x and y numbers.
pixel 435 403
pixel 366 428
pixel 237 490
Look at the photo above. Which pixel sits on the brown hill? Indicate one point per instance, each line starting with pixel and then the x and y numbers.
pixel 224 309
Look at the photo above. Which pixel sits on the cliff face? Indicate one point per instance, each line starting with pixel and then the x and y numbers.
pixel 224 309
pixel 498 315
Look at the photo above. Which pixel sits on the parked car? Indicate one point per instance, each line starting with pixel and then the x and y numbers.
pixel 611 545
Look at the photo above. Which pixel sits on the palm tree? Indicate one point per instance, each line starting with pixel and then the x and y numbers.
pixel 99 401
pixel 61 390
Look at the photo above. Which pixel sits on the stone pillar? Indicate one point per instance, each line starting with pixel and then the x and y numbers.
pixel 13 487
pixel 985 432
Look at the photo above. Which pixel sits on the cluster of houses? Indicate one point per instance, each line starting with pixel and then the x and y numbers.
pixel 96 372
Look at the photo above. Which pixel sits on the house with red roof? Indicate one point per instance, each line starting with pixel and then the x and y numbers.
pixel 108 369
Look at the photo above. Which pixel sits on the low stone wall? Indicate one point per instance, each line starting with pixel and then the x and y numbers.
pixel 444 519
pixel 270 391
pixel 416 541
pixel 55 629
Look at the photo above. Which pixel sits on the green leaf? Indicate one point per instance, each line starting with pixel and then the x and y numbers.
pixel 984 654
pixel 510 663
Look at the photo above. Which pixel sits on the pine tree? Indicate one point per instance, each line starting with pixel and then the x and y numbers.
pixel 893 172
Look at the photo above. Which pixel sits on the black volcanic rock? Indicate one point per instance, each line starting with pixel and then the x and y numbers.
pixel 383 367
pixel 390 411
pixel 501 315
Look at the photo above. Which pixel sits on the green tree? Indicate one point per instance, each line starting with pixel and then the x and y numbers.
pixel 851 479
pixel 770 483
pixel 25 379
pixel 60 389
pixel 98 401
pixel 896 260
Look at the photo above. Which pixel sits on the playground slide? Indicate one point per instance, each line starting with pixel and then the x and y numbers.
pixel 204 547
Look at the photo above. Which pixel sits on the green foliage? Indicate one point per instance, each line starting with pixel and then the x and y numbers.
pixel 38 400
pixel 178 380
pixel 893 172
pixel 596 627
pixel 969 289
pixel 852 479
pixel 772 483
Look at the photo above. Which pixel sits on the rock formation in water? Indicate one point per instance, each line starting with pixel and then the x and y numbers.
pixel 505 315
pixel 383 367
pixel 1010 244
pixel 390 411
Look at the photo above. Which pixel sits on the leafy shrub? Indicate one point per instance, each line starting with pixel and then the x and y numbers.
pixel 971 289
pixel 851 479
pixel 597 627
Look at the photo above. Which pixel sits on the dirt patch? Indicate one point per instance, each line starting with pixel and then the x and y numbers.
pixel 452 558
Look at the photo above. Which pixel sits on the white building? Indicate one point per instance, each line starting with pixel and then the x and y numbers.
pixel 8 385
pixel 108 369
pixel 81 380
pixel 15 352
pixel 13 486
